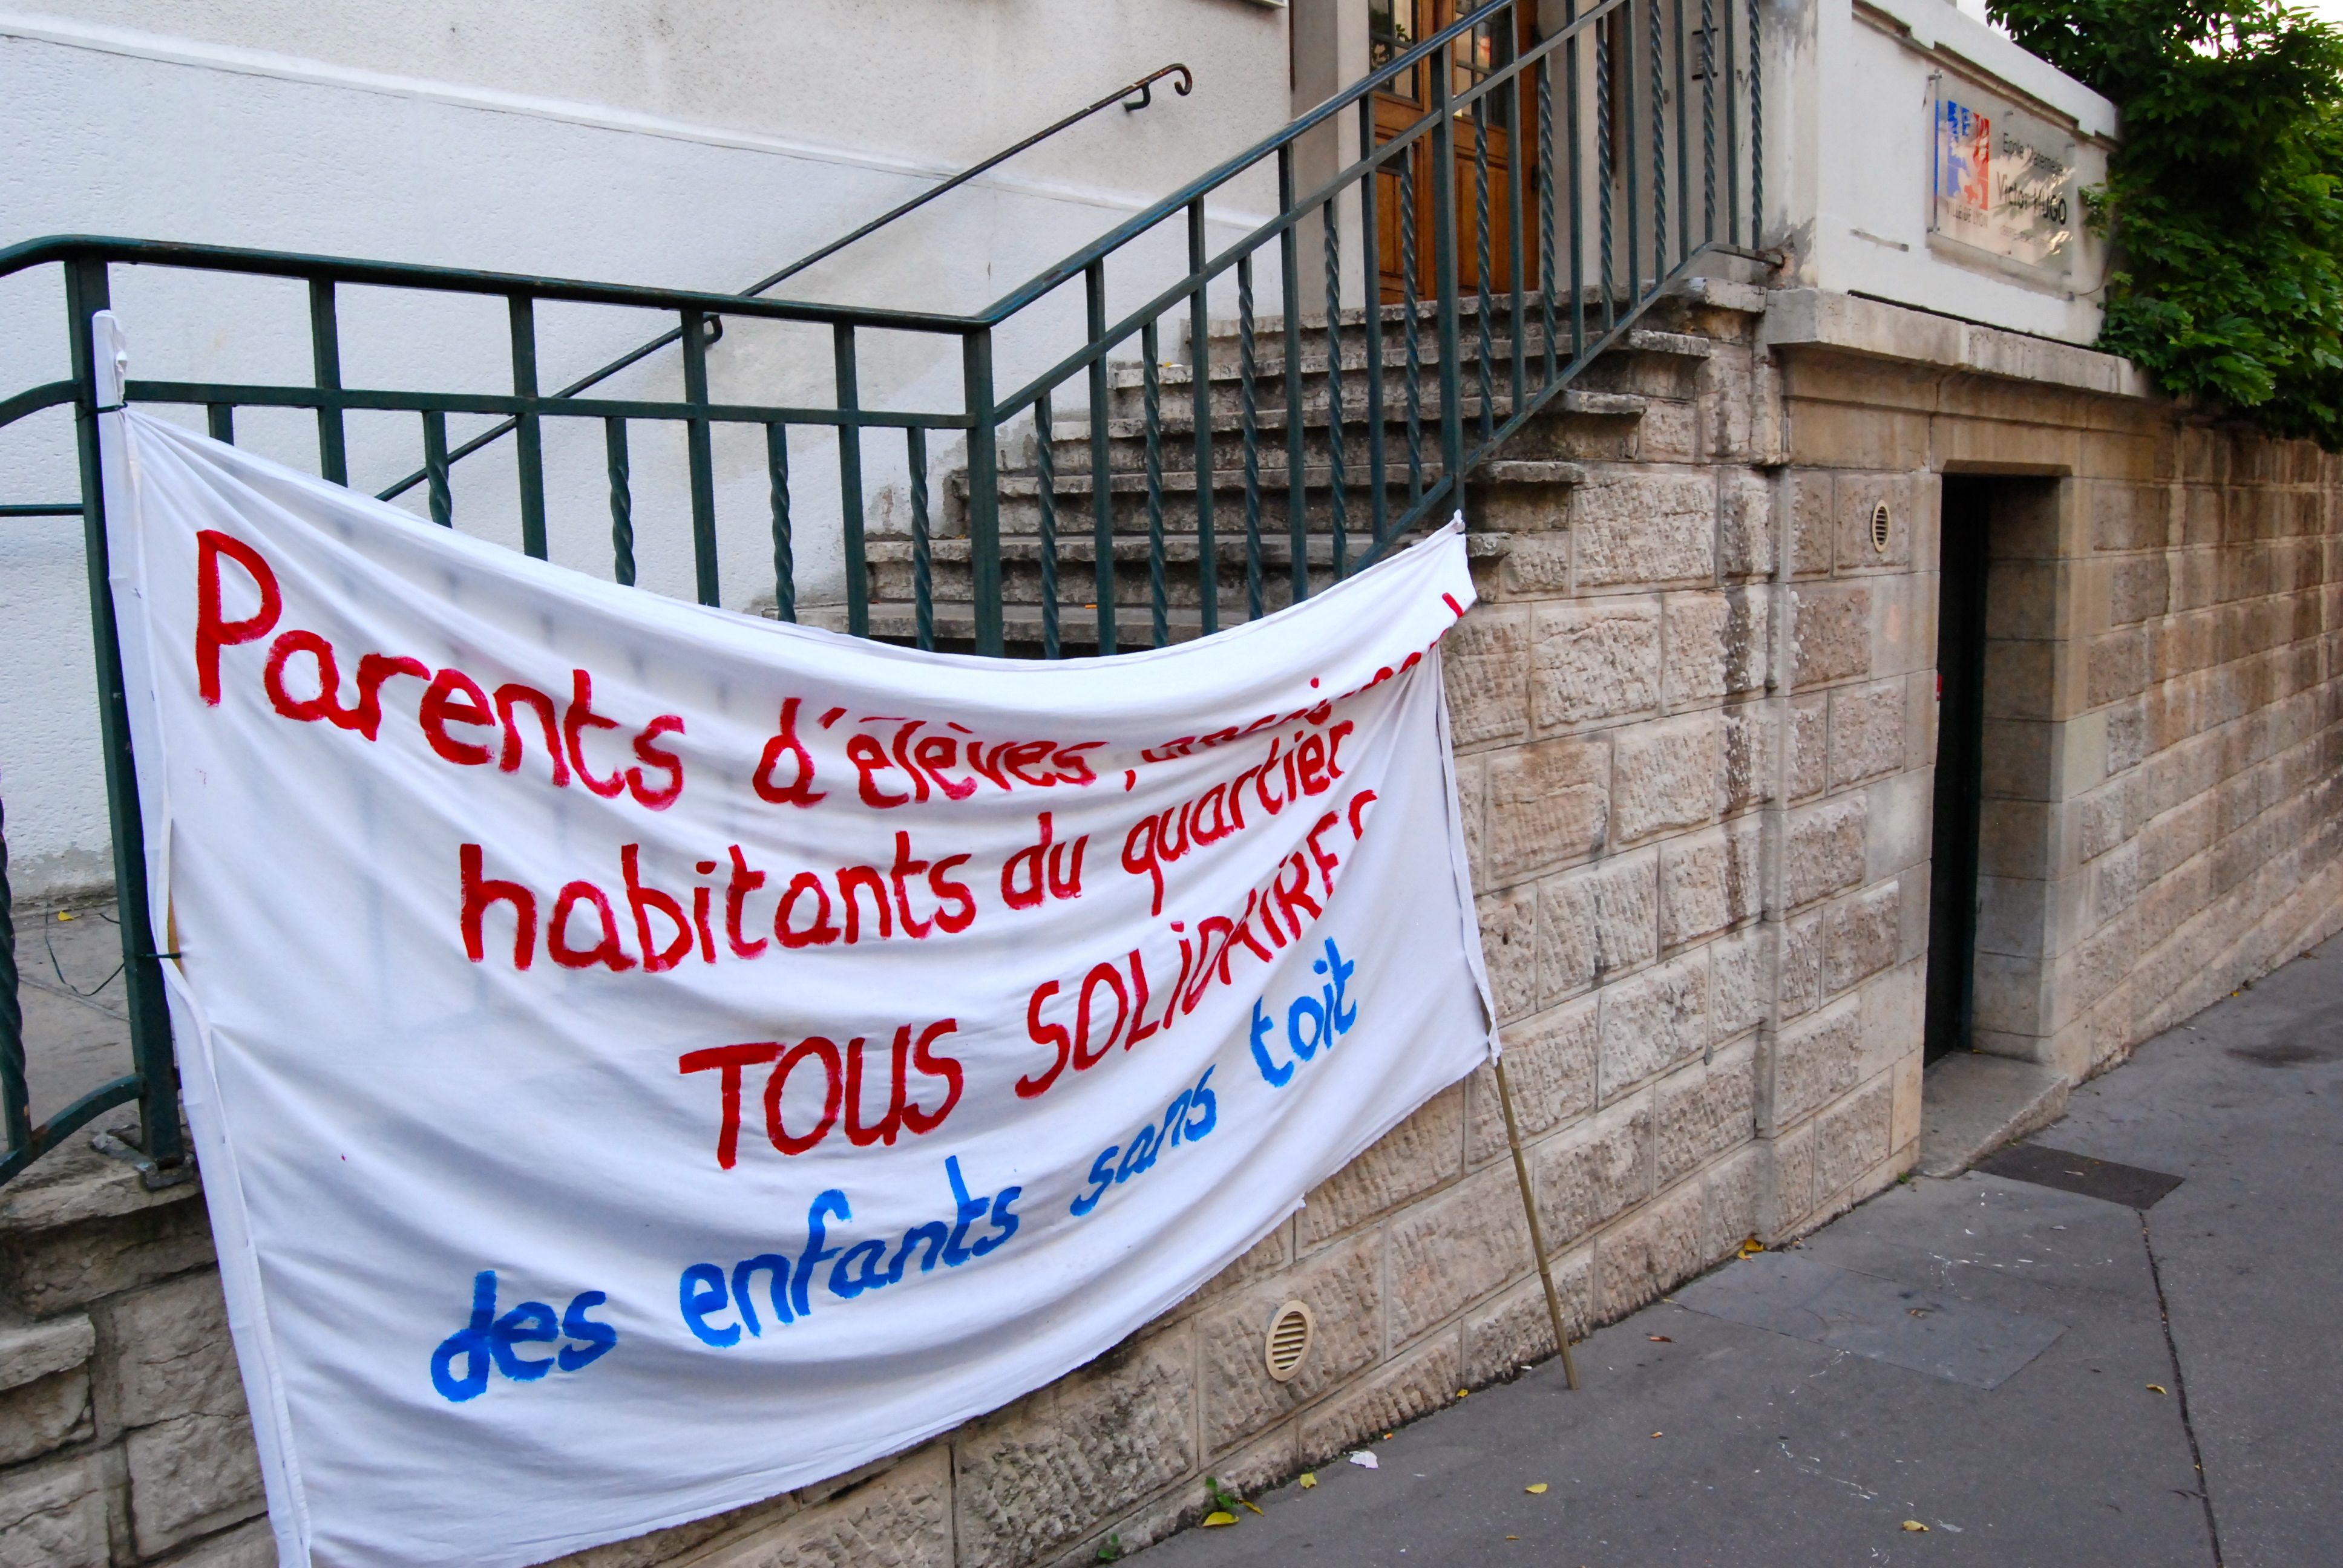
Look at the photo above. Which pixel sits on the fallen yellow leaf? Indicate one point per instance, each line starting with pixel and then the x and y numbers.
pixel 1253 1506
pixel 1915 1526
pixel 1752 1247
pixel 2156 1388
pixel 1535 1489
pixel 62 916
pixel 1220 1516
pixel 1463 1394
pixel 1309 1478
pixel 1513 1538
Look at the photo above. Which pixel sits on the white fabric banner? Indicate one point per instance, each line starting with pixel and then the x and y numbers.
pixel 644 1057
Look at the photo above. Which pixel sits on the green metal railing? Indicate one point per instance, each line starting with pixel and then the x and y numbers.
pixel 1622 197
pixel 87 265
pixel 1603 243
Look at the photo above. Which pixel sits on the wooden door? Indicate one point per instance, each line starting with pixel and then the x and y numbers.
pixel 1506 122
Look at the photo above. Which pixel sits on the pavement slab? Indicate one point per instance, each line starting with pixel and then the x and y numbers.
pixel 1775 1426
pixel 2245 1101
pixel 1904 1323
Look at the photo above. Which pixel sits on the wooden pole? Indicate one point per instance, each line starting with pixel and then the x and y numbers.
pixel 1537 1233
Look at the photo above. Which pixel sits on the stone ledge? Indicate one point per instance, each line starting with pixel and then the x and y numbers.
pixel 1680 345
pixel 29 1352
pixel 1971 1104
pixel 1515 471
pixel 1601 405
pixel 1818 318
pixel 75 1182
pixel 1722 294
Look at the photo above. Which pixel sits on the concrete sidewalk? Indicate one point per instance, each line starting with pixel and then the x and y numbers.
pixel 77 1023
pixel 1975 1355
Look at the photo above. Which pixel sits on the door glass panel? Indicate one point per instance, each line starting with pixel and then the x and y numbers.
pixel 1471 57
pixel 1388 35
pixel 1481 143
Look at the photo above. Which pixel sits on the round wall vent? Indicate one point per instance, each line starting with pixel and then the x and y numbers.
pixel 1291 1332
pixel 1880 523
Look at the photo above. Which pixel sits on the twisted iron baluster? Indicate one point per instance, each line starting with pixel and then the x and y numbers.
pixel 1756 134
pixel 1413 327
pixel 1603 174
pixel 1101 459
pixel 1249 418
pixel 1046 461
pixel 1481 255
pixel 1338 504
pixel 1677 49
pixel 1708 118
pixel 1732 133
pixel 1631 163
pixel 434 467
pixel 1371 329
pixel 923 588
pixel 1297 435
pixel 622 499
pixel 1658 94
pixel 1571 101
pixel 1545 216
pixel 1200 404
pixel 1517 173
pixel 15 1103
pixel 785 566
pixel 1151 400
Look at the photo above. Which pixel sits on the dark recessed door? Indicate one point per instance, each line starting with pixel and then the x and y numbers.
pixel 1960 764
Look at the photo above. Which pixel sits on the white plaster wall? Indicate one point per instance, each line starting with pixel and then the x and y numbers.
pixel 1848 173
pixel 697 145
pixel 943 80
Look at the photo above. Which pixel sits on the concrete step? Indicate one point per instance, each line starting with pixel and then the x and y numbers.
pixel 1602 420
pixel 1974 1104
pixel 893 609
pixel 1643 361
pixel 1223 332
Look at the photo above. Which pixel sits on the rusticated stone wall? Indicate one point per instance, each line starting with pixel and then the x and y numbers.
pixel 123 1433
pixel 2186 840
pixel 2163 600
pixel 1695 725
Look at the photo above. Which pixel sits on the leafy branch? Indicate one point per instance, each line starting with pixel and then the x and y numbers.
pixel 2225 201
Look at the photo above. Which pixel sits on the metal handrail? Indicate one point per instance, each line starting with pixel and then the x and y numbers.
pixel 1144 87
pixel 68 247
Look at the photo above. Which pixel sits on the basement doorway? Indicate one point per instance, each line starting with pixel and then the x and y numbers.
pixel 1964 545
pixel 1991 884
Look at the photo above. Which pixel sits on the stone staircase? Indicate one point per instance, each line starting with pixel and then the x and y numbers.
pixel 1599 417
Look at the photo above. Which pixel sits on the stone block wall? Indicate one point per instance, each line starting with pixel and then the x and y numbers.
pixel 123 1432
pixel 2194 843
pixel 1694 723
pixel 2160 815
